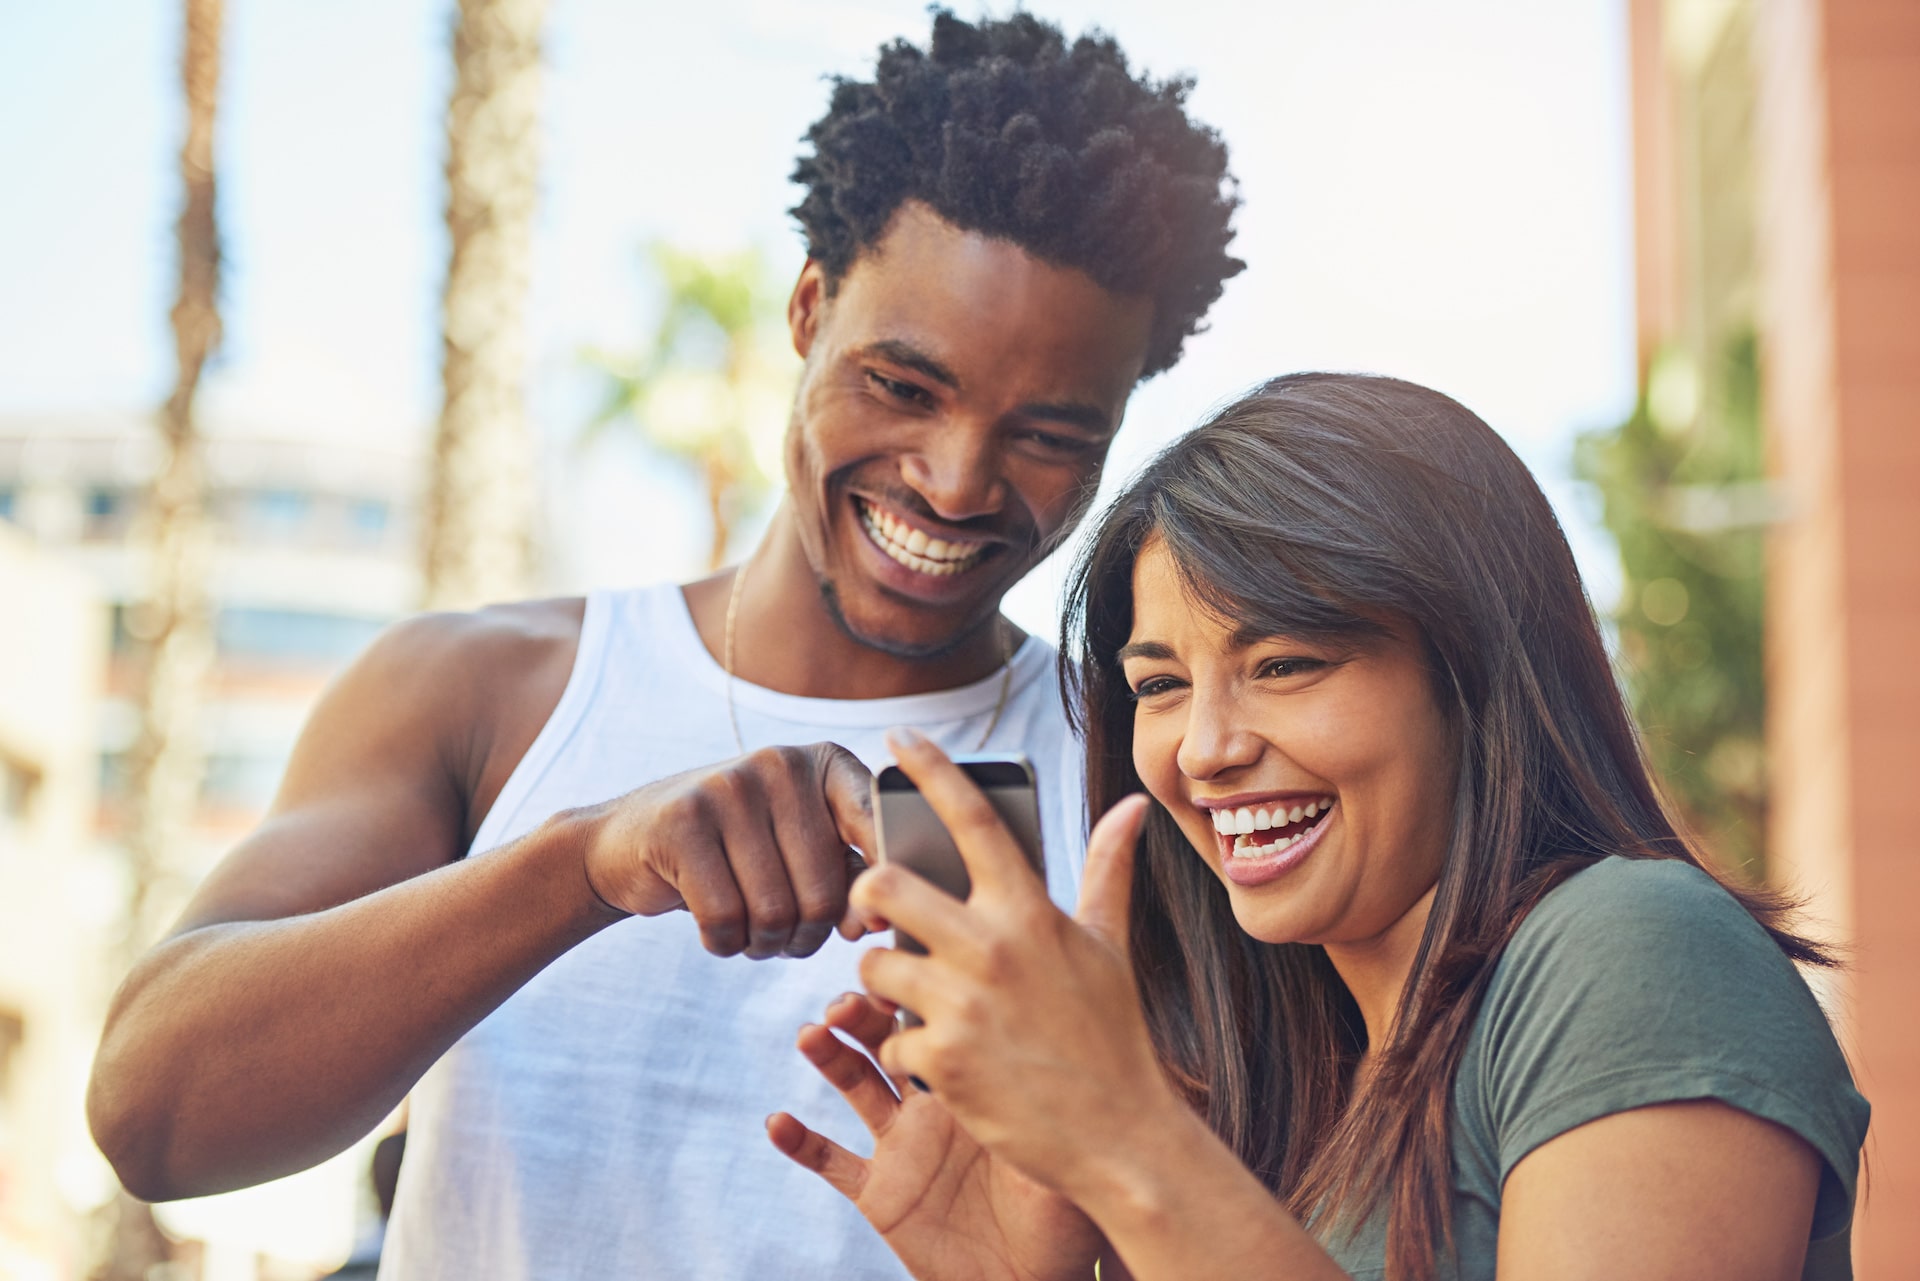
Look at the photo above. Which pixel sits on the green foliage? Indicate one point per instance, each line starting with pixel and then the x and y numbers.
pixel 711 385
pixel 1683 493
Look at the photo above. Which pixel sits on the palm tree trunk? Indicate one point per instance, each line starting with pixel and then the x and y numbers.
pixel 480 501
pixel 175 615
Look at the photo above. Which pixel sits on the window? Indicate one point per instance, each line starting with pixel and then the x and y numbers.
pixel 293 634
pixel 277 514
pixel 109 513
pixel 240 782
pixel 116 775
pixel 367 520
pixel 122 631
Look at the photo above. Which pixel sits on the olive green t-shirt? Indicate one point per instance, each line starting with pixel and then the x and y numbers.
pixel 1636 982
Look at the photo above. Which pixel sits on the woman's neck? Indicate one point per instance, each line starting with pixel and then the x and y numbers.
pixel 1376 969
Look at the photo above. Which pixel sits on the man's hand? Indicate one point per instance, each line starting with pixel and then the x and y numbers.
pixel 761 849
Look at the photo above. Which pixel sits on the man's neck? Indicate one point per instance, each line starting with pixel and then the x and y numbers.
pixel 786 637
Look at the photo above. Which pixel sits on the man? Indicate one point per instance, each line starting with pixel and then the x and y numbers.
pixel 1005 232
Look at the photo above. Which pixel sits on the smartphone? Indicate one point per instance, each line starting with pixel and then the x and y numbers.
pixel 912 835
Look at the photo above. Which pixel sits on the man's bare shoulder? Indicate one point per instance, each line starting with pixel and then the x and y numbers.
pixel 454 697
pixel 452 648
pixel 482 683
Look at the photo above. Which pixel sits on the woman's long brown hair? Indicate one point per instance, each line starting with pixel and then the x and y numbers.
pixel 1309 508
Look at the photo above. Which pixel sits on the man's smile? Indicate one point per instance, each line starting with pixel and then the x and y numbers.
pixel 907 543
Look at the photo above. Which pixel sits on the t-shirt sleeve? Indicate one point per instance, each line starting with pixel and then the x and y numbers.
pixel 1640 982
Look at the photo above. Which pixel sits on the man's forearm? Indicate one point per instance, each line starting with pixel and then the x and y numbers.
pixel 241 1052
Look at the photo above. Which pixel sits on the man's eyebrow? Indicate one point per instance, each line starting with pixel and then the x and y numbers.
pixel 908 356
pixel 1143 649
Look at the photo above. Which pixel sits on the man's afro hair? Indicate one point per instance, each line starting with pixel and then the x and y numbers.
pixel 1003 128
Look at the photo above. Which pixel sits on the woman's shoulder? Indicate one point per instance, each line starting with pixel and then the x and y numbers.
pixel 1642 981
pixel 1628 942
pixel 1646 898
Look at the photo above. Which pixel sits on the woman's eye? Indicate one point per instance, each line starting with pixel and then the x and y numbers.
pixel 1154 685
pixel 1281 668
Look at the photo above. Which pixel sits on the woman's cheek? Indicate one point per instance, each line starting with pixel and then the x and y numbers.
pixel 1155 751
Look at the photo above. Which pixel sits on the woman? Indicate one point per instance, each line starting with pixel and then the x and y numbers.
pixel 1423 982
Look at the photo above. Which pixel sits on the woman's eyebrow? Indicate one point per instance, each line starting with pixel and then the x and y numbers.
pixel 1143 649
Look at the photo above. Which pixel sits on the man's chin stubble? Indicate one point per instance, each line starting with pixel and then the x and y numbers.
pixel 896 649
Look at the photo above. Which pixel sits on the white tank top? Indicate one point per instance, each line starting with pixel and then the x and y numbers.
pixel 607 1121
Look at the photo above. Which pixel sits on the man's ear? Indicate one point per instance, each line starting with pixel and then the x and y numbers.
pixel 807 306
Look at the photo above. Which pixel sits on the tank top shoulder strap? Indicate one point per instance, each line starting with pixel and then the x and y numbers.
pixel 589 665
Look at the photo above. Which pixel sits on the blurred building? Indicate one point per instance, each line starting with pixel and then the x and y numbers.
pixel 1777 169
pixel 56 891
pixel 315 552
pixel 315 555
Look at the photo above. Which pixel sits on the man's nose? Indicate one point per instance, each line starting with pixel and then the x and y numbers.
pixel 957 472
pixel 1216 739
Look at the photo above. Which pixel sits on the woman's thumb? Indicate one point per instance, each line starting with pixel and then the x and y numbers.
pixel 1106 884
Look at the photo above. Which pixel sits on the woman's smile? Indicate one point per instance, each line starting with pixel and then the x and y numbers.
pixel 1264 839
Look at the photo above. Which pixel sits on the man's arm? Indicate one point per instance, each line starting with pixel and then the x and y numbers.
pixel 341 948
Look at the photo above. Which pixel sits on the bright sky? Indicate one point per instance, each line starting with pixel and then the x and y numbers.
pixel 1434 191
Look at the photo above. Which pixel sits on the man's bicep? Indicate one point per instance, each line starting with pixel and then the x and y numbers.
pixel 1698 1189
pixel 367 801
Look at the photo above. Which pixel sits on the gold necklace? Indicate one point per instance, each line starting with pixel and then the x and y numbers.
pixel 726 665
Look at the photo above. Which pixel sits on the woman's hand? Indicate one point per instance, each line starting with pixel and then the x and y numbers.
pixel 943 1204
pixel 1032 1037
pixel 1041 1066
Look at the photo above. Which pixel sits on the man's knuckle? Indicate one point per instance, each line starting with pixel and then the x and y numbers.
pixel 792 764
pixel 774 916
pixel 724 937
pixel 819 907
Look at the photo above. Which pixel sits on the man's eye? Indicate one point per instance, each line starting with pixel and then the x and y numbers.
pixel 1058 444
pixel 899 390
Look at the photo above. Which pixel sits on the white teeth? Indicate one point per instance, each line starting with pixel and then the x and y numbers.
pixel 1241 823
pixel 1245 848
pixel 1246 820
pixel 912 548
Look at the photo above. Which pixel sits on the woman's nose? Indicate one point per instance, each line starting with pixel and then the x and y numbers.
pixel 1216 739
